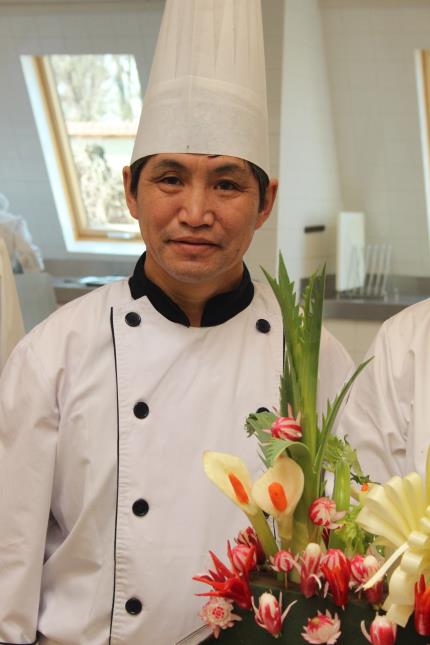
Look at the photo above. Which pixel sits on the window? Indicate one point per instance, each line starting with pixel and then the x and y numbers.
pixel 87 110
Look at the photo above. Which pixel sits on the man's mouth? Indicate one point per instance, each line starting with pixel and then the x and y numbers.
pixel 193 246
pixel 193 241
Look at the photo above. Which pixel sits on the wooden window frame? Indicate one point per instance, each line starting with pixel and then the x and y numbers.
pixel 66 166
pixel 425 68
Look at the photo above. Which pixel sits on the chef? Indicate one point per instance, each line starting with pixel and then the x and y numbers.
pixel 387 414
pixel 108 405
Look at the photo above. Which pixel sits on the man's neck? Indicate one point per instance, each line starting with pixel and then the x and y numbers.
pixel 190 297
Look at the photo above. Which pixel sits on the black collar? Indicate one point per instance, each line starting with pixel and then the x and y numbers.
pixel 217 310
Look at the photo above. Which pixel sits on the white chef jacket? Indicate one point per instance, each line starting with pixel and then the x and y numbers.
pixel 387 414
pixel 117 506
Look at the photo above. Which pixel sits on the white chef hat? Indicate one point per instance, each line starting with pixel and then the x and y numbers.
pixel 207 89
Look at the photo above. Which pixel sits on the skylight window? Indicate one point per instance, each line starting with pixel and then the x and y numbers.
pixel 90 105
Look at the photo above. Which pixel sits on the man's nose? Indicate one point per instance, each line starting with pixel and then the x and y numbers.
pixel 196 208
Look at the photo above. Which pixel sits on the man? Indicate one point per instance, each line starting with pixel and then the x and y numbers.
pixel 386 416
pixel 107 407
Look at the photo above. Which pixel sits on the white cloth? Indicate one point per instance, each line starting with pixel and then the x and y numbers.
pixel 387 414
pixel 61 430
pixel 24 255
pixel 11 324
pixel 207 89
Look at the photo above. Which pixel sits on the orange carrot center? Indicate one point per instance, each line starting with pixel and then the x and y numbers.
pixel 239 489
pixel 278 497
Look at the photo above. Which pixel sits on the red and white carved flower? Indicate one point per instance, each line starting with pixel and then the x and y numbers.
pixel 284 561
pixel 382 631
pixel 249 537
pixel 362 569
pixel 287 427
pixel 243 558
pixel 322 628
pixel 268 614
pixel 322 512
pixel 218 614
pixel 310 571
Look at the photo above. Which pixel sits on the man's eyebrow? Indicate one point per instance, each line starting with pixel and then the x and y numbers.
pixel 228 168
pixel 168 164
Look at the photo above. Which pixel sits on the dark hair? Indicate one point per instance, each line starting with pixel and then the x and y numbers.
pixel 261 177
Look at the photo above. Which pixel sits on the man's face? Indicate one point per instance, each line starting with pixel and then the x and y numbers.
pixel 197 215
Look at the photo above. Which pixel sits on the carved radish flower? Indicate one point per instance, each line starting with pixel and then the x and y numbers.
pixel 287 427
pixel 284 561
pixel 248 537
pixel 243 558
pixel 322 628
pixel 218 614
pixel 310 571
pixel 268 614
pixel 322 512
pixel 382 631
pixel 362 569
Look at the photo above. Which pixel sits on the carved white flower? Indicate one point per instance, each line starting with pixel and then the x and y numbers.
pixel 399 513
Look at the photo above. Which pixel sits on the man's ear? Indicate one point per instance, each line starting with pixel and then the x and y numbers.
pixel 269 200
pixel 129 197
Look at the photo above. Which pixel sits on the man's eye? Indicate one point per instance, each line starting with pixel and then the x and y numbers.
pixel 171 180
pixel 227 185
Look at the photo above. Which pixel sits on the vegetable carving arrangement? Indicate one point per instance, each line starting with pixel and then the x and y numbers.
pixel 346 568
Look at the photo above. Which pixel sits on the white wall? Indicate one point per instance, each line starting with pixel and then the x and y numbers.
pixel 116 27
pixel 263 251
pixel 309 192
pixel 370 52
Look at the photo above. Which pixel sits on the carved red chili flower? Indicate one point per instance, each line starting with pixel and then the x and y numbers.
pixel 230 584
pixel 336 569
pixel 422 607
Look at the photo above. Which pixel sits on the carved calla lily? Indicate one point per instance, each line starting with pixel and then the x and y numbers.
pixel 232 477
pixel 278 492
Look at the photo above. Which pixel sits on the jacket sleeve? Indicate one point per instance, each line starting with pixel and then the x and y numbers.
pixel 28 431
pixel 375 418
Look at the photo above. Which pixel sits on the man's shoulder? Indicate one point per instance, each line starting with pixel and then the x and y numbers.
pixel 409 324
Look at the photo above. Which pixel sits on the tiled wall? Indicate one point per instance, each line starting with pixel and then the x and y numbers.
pixel 355 335
pixel 309 192
pixel 118 27
pixel 370 52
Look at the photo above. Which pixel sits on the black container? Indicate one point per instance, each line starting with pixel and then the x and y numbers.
pixel 247 632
